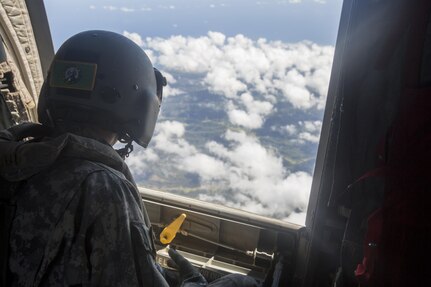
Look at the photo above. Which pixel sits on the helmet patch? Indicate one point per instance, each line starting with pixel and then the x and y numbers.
pixel 73 75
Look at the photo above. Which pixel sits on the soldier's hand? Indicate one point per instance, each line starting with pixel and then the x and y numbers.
pixel 8 147
pixel 14 151
pixel 189 275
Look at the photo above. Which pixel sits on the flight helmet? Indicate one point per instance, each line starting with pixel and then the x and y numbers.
pixel 104 79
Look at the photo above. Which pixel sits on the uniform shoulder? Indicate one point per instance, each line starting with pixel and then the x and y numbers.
pixel 109 183
pixel 84 167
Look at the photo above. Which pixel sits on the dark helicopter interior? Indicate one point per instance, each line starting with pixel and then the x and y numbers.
pixel 380 76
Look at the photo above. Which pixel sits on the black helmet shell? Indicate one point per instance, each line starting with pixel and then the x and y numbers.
pixel 102 78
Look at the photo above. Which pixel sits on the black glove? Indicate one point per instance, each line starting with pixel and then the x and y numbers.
pixel 11 140
pixel 189 275
pixel 8 146
pixel 26 130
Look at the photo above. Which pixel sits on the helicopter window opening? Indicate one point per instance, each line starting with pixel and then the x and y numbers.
pixel 247 83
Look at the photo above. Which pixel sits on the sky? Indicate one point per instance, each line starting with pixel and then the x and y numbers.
pixel 258 60
pixel 284 20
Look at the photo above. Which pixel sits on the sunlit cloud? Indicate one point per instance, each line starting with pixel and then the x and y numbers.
pixel 291 129
pixel 236 65
pixel 254 113
pixel 169 90
pixel 248 175
pixel 121 9
pixel 135 37
pixel 171 7
pixel 302 132
pixel 110 8
pixel 218 5
pixel 127 10
pixel 251 78
pixel 310 131
pixel 284 2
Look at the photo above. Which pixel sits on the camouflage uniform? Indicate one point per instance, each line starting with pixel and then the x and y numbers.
pixel 80 220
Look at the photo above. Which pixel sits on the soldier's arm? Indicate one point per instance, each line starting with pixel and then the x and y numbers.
pixel 118 243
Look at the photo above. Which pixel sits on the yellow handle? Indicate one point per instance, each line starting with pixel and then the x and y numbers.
pixel 168 234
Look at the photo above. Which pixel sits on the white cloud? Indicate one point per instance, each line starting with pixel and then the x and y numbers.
pixel 311 126
pixel 222 79
pixel 169 78
pixel 127 10
pixel 171 7
pixel 259 180
pixel 231 66
pixel 110 8
pixel 306 136
pixel 247 175
pixel 115 8
pixel 217 38
pixel 242 118
pixel 135 37
pixel 92 7
pixel 248 153
pixel 140 160
pixel 146 9
pixel 310 131
pixel 303 131
pixel 168 91
pixel 253 77
pixel 253 116
pixel 207 167
pixel 291 129
pixel 320 1
pixel 297 95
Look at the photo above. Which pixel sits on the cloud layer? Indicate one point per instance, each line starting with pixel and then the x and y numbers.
pixel 252 78
pixel 248 72
pixel 243 174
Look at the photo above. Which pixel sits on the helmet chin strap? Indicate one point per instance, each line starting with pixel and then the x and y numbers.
pixel 127 149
